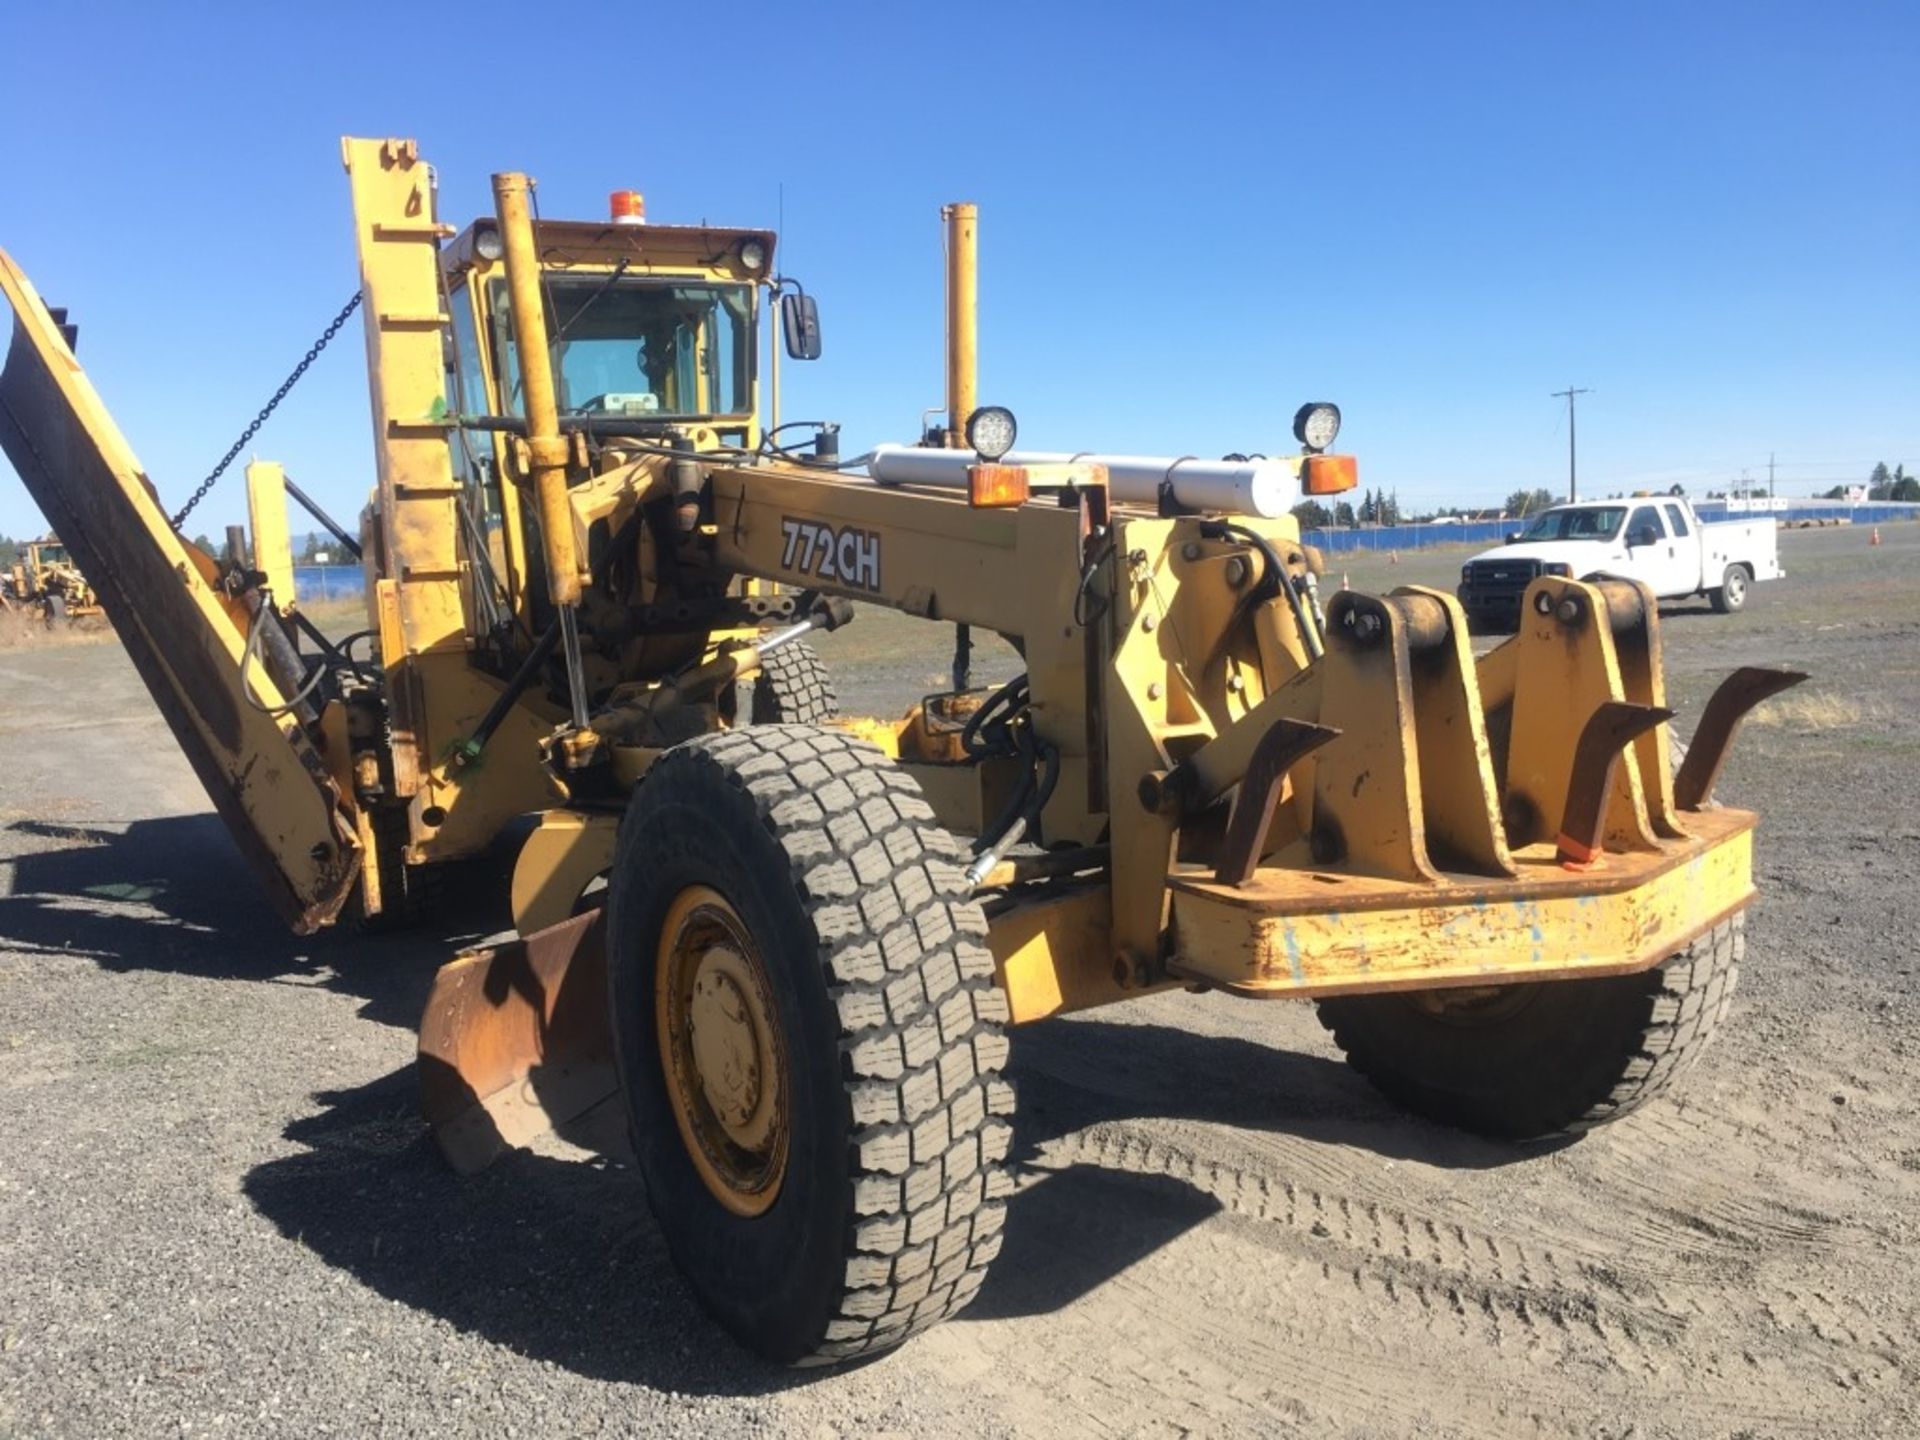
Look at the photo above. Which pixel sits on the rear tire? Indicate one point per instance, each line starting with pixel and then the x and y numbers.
pixel 1551 1058
pixel 1732 593
pixel 56 610
pixel 793 687
pixel 849 1190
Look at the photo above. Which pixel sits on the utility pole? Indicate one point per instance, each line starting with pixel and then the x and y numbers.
pixel 1769 475
pixel 1573 482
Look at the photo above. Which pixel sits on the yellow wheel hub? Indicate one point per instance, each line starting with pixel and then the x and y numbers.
pixel 722 1050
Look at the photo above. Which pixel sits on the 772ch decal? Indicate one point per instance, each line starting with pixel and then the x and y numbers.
pixel 846 556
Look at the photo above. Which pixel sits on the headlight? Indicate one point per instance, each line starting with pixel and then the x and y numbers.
pixel 487 244
pixel 1466 573
pixel 753 256
pixel 1316 424
pixel 1556 569
pixel 991 431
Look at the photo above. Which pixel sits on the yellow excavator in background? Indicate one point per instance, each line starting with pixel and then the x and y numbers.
pixel 594 555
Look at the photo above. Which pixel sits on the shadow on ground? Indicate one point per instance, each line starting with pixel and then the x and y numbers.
pixel 174 894
pixel 558 1258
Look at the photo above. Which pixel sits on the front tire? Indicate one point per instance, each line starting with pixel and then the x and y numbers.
pixel 1550 1058
pixel 793 687
pixel 1732 593
pixel 810 1039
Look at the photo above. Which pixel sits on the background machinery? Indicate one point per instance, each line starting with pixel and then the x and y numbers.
pixel 44 581
pixel 594 555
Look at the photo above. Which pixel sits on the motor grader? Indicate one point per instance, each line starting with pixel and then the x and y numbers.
pixel 44 581
pixel 593 556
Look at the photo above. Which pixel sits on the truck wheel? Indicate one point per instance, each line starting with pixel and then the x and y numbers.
pixel 810 1038
pixel 56 610
pixel 1555 1057
pixel 793 688
pixel 1732 593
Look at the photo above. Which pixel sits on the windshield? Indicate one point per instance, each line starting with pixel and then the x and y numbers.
pixel 639 346
pixel 1600 523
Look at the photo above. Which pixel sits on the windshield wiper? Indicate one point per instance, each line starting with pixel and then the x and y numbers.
pixel 592 300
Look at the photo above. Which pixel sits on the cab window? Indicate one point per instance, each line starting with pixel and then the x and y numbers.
pixel 1677 518
pixel 1644 527
pixel 639 346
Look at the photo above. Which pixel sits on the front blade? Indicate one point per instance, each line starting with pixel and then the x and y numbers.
pixel 515 1041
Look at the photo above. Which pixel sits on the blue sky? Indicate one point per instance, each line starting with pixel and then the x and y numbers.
pixel 1194 216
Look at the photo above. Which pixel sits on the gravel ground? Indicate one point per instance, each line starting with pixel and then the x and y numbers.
pixel 219 1213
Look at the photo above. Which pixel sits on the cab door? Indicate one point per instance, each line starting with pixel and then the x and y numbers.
pixel 1653 555
pixel 1686 541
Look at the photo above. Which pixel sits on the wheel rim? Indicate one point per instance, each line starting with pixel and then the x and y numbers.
pixel 722 1051
pixel 1736 587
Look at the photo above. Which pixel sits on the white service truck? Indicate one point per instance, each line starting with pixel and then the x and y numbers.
pixel 1654 539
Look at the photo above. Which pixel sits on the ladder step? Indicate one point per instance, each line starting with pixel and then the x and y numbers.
pixel 411 230
pixel 412 320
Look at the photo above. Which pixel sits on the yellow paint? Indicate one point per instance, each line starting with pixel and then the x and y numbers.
pixel 267 519
pixel 563 855
pixel 1299 933
pixel 963 319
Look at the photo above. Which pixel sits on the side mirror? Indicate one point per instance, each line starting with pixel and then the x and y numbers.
pixel 1513 537
pixel 800 322
pixel 1642 535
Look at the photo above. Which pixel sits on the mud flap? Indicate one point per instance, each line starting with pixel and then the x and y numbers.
pixel 515 1042
pixel 264 775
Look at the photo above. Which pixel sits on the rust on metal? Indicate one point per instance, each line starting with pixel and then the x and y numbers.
pixel 1286 742
pixel 1295 931
pixel 1595 757
pixel 1738 693
pixel 515 1041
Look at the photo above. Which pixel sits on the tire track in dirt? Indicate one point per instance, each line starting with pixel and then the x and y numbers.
pixel 1719 1283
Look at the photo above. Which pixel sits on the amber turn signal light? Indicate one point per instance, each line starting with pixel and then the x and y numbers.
pixel 993 486
pixel 1329 474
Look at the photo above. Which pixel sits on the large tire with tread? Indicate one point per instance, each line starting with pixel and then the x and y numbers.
pixel 889 1194
pixel 1732 593
pixel 1550 1058
pixel 793 687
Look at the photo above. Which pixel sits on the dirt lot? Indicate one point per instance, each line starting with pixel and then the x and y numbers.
pixel 218 1212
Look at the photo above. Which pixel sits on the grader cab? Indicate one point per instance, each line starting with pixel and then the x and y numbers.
pixel 595 553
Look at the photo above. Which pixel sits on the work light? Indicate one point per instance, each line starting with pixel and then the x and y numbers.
pixel 753 256
pixel 487 244
pixel 991 431
pixel 1316 424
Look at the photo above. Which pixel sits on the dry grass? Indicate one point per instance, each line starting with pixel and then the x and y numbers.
pixel 337 617
pixel 1811 712
pixel 20 630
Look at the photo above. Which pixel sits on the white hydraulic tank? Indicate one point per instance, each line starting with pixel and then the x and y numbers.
pixel 1232 487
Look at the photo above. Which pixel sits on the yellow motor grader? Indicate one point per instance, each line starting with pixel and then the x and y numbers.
pixel 45 581
pixel 593 557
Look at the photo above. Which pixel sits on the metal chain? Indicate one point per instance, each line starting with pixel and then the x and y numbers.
pixel 326 338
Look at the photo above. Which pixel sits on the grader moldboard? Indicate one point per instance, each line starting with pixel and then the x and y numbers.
pixel 593 555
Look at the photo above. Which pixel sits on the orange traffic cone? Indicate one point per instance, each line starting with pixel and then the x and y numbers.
pixel 1393 557
pixel 1876 536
